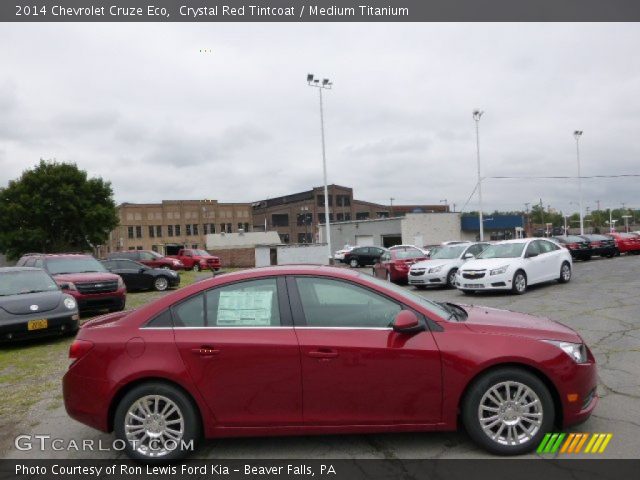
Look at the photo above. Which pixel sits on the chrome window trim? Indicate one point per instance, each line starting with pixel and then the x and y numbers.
pixel 306 327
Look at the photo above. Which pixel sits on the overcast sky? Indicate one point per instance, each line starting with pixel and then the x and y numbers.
pixel 141 106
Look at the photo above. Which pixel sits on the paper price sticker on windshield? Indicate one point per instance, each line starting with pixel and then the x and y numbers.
pixel 237 309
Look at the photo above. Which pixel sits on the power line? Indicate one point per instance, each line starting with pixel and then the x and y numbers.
pixel 563 177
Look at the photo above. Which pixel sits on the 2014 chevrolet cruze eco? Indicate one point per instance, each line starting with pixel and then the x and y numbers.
pixel 297 350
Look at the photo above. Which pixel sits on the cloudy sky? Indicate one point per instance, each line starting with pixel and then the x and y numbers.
pixel 141 106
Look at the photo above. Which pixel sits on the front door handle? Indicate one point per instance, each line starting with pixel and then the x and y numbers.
pixel 205 351
pixel 323 353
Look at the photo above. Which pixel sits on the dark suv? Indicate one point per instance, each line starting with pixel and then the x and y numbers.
pixel 149 258
pixel 83 277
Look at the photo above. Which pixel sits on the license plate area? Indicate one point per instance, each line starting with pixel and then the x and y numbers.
pixel 38 324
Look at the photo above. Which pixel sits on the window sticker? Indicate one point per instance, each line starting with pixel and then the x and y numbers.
pixel 237 309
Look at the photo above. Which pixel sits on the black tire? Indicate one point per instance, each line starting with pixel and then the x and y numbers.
pixel 420 287
pixel 471 410
pixel 565 273
pixel 185 406
pixel 161 283
pixel 196 267
pixel 517 285
pixel 353 263
pixel 388 276
pixel 468 292
pixel 451 276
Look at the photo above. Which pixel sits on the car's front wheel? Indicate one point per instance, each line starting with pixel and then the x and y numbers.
pixel 519 285
pixel 196 267
pixel 161 284
pixel 451 277
pixel 508 411
pixel 353 263
pixel 157 422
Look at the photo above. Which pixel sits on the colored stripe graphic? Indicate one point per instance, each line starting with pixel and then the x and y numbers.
pixel 573 443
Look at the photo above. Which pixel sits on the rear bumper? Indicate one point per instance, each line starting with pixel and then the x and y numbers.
pixel 16 330
pixel 87 400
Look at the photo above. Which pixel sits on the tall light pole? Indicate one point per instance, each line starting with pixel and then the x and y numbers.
pixel 577 134
pixel 476 116
pixel 322 85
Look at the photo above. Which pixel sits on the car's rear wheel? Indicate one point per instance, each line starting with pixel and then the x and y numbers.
pixel 156 422
pixel 508 411
pixel 161 284
pixel 519 283
pixel 353 263
pixel 196 267
pixel 388 276
pixel 451 277
pixel 565 272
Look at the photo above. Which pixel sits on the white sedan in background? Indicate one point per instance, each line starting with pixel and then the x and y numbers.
pixel 339 255
pixel 514 265
pixel 442 266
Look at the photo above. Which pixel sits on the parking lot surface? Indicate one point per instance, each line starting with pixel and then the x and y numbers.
pixel 602 303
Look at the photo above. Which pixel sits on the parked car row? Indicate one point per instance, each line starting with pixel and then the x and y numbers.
pixel 583 247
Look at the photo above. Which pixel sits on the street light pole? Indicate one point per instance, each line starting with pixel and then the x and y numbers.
pixel 577 134
pixel 476 116
pixel 325 84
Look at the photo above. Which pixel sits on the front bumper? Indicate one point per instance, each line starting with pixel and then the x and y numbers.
pixel 439 278
pixel 487 282
pixel 97 301
pixel 583 381
pixel 17 329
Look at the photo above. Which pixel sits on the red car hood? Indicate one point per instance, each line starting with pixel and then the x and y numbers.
pixel 505 322
pixel 86 277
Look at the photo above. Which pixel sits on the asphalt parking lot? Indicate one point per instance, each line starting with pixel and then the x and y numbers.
pixel 602 303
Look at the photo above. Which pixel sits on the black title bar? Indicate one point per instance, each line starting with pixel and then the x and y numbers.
pixel 319 11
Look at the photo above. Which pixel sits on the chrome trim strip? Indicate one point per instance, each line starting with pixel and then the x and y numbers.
pixel 266 328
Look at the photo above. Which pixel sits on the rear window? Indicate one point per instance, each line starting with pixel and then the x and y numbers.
pixel 412 253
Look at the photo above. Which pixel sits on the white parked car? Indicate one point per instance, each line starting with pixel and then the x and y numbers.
pixel 442 266
pixel 404 247
pixel 514 265
pixel 339 255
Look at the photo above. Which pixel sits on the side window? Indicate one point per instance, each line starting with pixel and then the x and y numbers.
pixel 161 320
pixel 246 304
pixel 476 249
pixel 128 265
pixel 38 263
pixel 332 303
pixel 30 262
pixel 108 263
pixel 189 313
pixel 533 248
pixel 546 247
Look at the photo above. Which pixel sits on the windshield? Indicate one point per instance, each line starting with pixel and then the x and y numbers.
pixel 155 254
pixel 56 266
pixel 503 250
pixel 449 252
pixel 27 281
pixel 201 253
pixel 433 307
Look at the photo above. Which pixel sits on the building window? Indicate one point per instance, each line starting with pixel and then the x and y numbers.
pixel 177 230
pixel 343 200
pixel 362 215
pixel 246 227
pixel 240 225
pixel 228 228
pixel 194 245
pixel 187 228
pixel 139 231
pixel 321 217
pixel 139 247
pixel 284 237
pixel 170 230
pixel 305 238
pixel 212 228
pixel 195 229
pixel 154 248
pixel 382 214
pixel 130 232
pixel 280 219
pixel 321 200
pixel 305 219
pixel 152 231
pixel 347 217
pixel 158 230
pixel 132 248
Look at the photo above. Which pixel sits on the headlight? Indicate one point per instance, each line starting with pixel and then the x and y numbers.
pixel 577 351
pixel 499 270
pixel 435 269
pixel 120 283
pixel 70 303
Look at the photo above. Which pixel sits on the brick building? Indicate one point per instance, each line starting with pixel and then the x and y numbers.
pixel 296 217
pixel 172 224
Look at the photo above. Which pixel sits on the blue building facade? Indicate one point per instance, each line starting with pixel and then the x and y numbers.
pixel 496 227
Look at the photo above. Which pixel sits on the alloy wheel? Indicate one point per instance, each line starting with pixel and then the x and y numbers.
pixel 520 282
pixel 510 413
pixel 565 271
pixel 154 426
pixel 161 283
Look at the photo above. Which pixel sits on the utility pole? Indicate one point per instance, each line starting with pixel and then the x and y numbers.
pixel 541 212
pixel 577 134
pixel 391 207
pixel 476 117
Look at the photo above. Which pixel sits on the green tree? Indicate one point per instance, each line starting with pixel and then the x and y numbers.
pixel 54 208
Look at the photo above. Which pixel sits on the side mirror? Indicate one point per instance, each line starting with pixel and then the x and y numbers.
pixel 531 254
pixel 407 322
pixel 467 256
pixel 64 286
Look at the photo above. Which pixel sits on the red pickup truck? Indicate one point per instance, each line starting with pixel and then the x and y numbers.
pixel 196 259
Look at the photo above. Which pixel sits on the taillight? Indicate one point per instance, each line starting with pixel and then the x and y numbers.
pixel 78 349
pixel 573 246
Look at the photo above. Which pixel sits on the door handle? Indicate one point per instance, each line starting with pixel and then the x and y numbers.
pixel 206 351
pixel 323 353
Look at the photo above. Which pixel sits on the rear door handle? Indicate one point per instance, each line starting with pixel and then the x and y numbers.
pixel 323 353
pixel 205 351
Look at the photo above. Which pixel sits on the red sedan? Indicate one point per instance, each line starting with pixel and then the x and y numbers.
pixel 394 264
pixel 627 242
pixel 297 350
